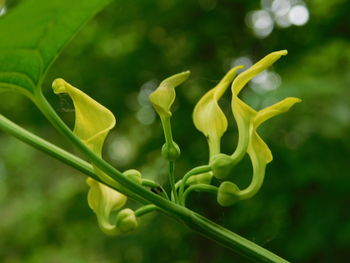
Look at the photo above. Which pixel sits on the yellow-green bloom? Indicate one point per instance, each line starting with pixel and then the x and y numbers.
pixel 162 99
pixel 208 117
pixel 92 120
pixel 92 125
pixel 103 200
pixel 258 152
pixel 248 120
pixel 242 112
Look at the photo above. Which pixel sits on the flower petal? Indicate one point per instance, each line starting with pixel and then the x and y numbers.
pixel 163 97
pixel 103 200
pixel 208 117
pixel 254 70
pixel 92 120
pixel 92 124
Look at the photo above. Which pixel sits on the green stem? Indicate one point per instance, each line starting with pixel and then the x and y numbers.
pixel 166 124
pixel 227 238
pixel 8 126
pixel 199 188
pixel 172 181
pixel 152 184
pixel 194 171
pixel 243 141
pixel 193 220
pixel 145 209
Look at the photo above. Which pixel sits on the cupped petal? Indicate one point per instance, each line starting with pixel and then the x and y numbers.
pixel 243 78
pixel 248 120
pixel 92 120
pixel 163 97
pixel 208 117
pixel 258 151
pixel 92 125
pixel 242 112
pixel 103 200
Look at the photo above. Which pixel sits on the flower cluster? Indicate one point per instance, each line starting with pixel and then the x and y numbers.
pixel 211 121
pixel 93 123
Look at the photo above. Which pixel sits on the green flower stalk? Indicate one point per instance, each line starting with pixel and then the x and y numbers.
pixel 162 99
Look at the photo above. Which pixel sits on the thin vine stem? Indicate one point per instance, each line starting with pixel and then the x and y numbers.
pixel 145 210
pixel 172 181
pixel 194 171
pixel 199 188
pixel 152 184
pixel 58 153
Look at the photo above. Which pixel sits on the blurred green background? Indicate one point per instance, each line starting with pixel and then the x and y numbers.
pixel 302 212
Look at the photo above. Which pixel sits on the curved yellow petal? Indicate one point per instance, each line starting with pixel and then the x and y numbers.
pixel 242 112
pixel 248 120
pixel 254 70
pixel 163 97
pixel 275 109
pixel 256 144
pixel 259 153
pixel 92 125
pixel 103 200
pixel 92 120
pixel 208 117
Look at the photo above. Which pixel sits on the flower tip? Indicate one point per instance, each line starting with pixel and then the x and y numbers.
pixel 293 100
pixel 283 52
pixel 58 85
pixel 233 70
pixel 184 75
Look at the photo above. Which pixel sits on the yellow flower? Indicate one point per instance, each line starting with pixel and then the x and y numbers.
pixel 208 117
pixel 92 125
pixel 248 120
pixel 163 97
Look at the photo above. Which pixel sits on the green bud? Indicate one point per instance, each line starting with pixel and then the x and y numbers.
pixel 126 220
pixel 133 175
pixel 228 194
pixel 204 178
pixel 221 165
pixel 171 151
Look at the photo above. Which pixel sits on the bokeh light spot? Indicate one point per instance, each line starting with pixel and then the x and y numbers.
pixel 121 150
pixel 298 15
pixel 261 22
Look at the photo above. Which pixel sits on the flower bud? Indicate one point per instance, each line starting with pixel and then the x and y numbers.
pixel 171 151
pixel 163 97
pixel 126 220
pixel 221 165
pixel 204 178
pixel 228 194
pixel 133 175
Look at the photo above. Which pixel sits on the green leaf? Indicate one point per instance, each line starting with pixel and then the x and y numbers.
pixel 33 33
